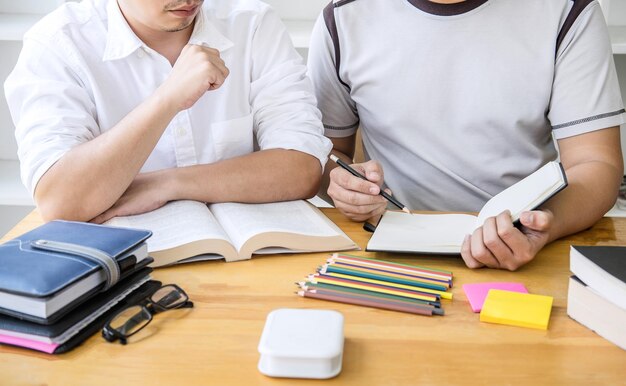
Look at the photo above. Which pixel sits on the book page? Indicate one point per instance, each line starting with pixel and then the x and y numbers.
pixel 525 195
pixel 174 224
pixel 243 221
pixel 427 233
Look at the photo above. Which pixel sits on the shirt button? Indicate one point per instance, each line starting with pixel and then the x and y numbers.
pixel 181 131
pixel 140 53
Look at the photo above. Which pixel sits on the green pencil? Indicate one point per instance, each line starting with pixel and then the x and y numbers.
pixel 324 286
pixel 352 272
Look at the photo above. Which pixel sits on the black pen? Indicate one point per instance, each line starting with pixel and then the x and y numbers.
pixel 390 198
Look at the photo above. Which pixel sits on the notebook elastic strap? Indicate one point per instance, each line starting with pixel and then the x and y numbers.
pixel 108 263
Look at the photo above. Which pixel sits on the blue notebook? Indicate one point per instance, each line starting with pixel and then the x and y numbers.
pixel 77 319
pixel 40 284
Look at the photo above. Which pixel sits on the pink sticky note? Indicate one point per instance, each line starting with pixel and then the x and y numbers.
pixel 477 292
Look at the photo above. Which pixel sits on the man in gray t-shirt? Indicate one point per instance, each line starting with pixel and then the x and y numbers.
pixel 456 102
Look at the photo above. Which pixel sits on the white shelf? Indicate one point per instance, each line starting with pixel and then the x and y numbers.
pixel 14 25
pixel 12 191
pixel 300 31
pixel 618 38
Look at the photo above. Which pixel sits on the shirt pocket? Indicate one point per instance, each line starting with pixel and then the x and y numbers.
pixel 233 138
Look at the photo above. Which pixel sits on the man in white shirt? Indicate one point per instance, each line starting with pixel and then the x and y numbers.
pixel 122 106
pixel 457 100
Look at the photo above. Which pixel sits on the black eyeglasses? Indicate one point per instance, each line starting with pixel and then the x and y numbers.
pixel 131 320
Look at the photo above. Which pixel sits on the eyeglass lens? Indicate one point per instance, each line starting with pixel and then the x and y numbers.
pixel 131 320
pixel 169 297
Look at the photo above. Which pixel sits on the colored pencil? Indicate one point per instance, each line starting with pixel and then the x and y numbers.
pixel 404 268
pixel 374 299
pixel 373 287
pixel 390 265
pixel 370 303
pixel 400 275
pixel 443 294
pixel 333 268
pixel 347 290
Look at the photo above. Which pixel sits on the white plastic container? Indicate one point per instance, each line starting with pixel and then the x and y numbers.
pixel 299 343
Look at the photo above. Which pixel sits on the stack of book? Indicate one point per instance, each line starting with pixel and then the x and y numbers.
pixel 597 291
pixel 380 284
pixel 60 282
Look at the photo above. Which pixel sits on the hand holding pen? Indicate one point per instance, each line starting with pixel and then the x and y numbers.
pixel 362 198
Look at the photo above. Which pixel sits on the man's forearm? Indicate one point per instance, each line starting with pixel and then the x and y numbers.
pixel 591 192
pixel 263 176
pixel 91 177
pixel 594 167
pixel 344 149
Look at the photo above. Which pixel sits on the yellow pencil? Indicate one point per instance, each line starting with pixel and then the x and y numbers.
pixel 371 263
pixel 380 272
pixel 443 294
pixel 369 287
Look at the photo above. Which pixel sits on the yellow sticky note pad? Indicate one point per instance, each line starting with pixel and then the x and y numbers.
pixel 517 309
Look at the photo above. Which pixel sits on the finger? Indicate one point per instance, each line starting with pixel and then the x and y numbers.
pixel 219 64
pixel 480 252
pixel 515 240
pixel 347 181
pixel 492 240
pixel 216 83
pixel 211 51
pixel 216 79
pixel 365 202
pixel 537 220
pixel 360 216
pixel 353 198
pixel 213 57
pixel 466 254
pixel 373 171
pixel 360 210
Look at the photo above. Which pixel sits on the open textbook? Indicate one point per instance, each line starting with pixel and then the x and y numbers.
pixel 185 231
pixel 444 233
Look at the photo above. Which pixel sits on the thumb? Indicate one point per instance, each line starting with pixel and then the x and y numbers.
pixel 537 220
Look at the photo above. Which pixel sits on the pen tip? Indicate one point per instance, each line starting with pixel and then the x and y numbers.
pixel 405 209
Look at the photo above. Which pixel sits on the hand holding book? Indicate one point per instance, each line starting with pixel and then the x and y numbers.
pixel 445 233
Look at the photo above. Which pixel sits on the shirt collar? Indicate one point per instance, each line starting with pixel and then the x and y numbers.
pixel 205 34
pixel 122 41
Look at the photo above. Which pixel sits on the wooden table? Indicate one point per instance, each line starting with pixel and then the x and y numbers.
pixel 216 342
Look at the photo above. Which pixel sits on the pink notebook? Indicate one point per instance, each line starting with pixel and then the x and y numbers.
pixel 477 292
pixel 32 344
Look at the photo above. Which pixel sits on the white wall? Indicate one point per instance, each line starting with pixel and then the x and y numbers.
pixel 298 9
pixel 9 51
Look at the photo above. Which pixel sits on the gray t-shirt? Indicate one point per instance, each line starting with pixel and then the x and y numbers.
pixel 460 101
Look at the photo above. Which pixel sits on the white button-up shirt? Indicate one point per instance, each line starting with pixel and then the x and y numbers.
pixel 82 69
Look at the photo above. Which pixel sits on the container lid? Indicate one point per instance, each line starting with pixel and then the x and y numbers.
pixel 301 333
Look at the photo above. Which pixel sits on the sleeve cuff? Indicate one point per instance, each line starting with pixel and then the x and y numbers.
pixel 585 125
